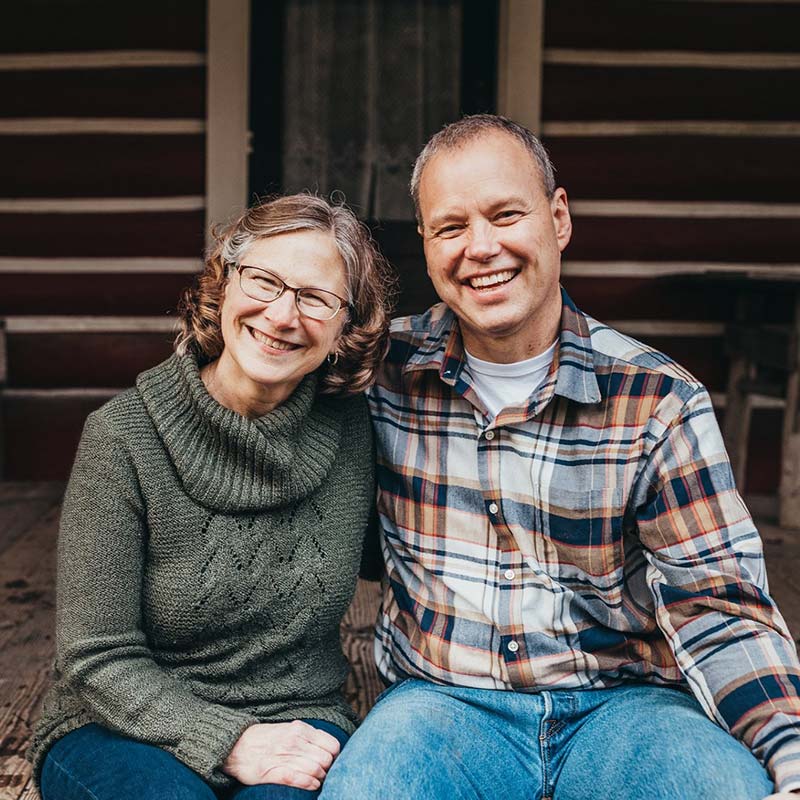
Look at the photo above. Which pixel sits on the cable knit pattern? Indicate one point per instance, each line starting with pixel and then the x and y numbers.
pixel 205 561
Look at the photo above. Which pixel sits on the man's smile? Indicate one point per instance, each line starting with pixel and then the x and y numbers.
pixel 492 279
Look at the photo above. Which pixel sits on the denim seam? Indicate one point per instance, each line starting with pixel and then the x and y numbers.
pixel 544 748
pixel 71 777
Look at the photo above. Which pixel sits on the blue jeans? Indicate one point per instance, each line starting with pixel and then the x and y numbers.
pixel 93 763
pixel 422 741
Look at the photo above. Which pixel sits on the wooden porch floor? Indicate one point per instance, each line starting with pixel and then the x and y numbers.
pixel 28 525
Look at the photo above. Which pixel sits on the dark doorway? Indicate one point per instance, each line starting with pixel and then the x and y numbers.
pixel 345 93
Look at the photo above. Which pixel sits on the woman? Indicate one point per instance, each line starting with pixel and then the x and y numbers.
pixel 212 530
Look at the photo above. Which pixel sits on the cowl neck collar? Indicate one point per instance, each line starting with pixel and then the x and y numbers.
pixel 230 463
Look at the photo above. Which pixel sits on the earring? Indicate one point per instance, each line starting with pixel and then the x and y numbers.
pixel 333 361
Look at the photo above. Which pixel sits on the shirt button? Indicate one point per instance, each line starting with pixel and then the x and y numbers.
pixel 490 435
pixel 509 573
pixel 513 646
pixel 493 509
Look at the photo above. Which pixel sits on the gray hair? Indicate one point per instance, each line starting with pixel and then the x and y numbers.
pixel 370 285
pixel 472 127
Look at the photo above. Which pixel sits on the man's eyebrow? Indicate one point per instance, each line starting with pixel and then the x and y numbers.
pixel 451 215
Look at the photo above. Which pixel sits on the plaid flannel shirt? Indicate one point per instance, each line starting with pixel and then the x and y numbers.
pixel 590 537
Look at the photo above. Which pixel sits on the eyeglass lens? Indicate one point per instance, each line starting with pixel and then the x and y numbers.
pixel 265 286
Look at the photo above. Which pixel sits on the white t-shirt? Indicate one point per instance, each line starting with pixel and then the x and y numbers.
pixel 502 385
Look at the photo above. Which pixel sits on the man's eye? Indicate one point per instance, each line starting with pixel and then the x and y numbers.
pixel 449 230
pixel 508 214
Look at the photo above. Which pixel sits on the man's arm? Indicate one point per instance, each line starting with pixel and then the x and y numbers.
pixel 706 574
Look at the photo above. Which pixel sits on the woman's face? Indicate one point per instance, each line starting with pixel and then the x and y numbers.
pixel 270 347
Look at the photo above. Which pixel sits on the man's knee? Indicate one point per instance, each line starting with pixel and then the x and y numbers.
pixel 659 744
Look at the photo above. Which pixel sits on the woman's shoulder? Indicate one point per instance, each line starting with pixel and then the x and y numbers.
pixel 126 411
pixel 117 416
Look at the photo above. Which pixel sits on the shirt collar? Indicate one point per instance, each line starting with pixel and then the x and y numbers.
pixel 443 350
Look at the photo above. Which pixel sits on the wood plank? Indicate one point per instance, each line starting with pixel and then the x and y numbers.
pixel 688 59
pixel 679 298
pixel 166 92
pixel 782 555
pixel 28 638
pixel 699 239
pixel 764 452
pixel 27 589
pixel 40 360
pixel 677 25
pixel 44 25
pixel 108 165
pixel 762 169
pixel 704 357
pixel 363 684
pixel 99 293
pixel 178 234
pixel 647 93
pixel 42 434
pixel 21 505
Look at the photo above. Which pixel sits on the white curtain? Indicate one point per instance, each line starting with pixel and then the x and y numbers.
pixel 366 83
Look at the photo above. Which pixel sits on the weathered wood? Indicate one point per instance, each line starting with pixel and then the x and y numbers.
pixel 28 521
pixel 27 587
pixel 21 506
pixel 736 428
pixel 789 490
pixel 3 374
pixel 363 684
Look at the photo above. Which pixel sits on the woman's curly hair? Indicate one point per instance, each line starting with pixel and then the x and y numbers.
pixel 370 285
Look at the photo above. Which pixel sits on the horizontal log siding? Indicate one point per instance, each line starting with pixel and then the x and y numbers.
pixel 40 26
pixel 672 25
pixel 678 105
pixel 157 234
pixel 157 92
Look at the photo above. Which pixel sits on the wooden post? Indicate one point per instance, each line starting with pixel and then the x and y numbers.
pixel 736 429
pixel 789 491
pixel 227 135
pixel 519 68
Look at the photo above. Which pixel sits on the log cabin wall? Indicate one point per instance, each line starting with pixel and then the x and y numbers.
pixel 102 131
pixel 675 128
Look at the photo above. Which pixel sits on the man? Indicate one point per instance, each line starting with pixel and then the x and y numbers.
pixel 575 602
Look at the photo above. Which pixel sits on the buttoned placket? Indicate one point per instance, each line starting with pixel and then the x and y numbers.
pixel 488 440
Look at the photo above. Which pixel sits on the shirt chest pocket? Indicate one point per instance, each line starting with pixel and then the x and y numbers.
pixel 578 535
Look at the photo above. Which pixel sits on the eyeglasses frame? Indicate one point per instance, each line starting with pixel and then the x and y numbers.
pixel 295 289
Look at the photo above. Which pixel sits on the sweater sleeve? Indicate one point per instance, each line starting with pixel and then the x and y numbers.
pixel 707 577
pixel 102 652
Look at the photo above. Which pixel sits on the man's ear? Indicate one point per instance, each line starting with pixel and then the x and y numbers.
pixel 562 220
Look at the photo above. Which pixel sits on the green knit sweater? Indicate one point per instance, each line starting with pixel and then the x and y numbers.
pixel 205 561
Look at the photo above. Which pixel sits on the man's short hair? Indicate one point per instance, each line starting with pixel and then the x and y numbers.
pixel 471 127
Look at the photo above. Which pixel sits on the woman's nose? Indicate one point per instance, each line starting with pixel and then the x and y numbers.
pixel 283 311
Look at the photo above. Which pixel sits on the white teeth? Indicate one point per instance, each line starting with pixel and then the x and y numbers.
pixel 268 340
pixel 494 279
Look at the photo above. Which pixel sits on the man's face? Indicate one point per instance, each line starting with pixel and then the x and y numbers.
pixel 493 244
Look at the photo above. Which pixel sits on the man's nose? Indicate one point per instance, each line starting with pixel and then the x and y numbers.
pixel 283 312
pixel 482 243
